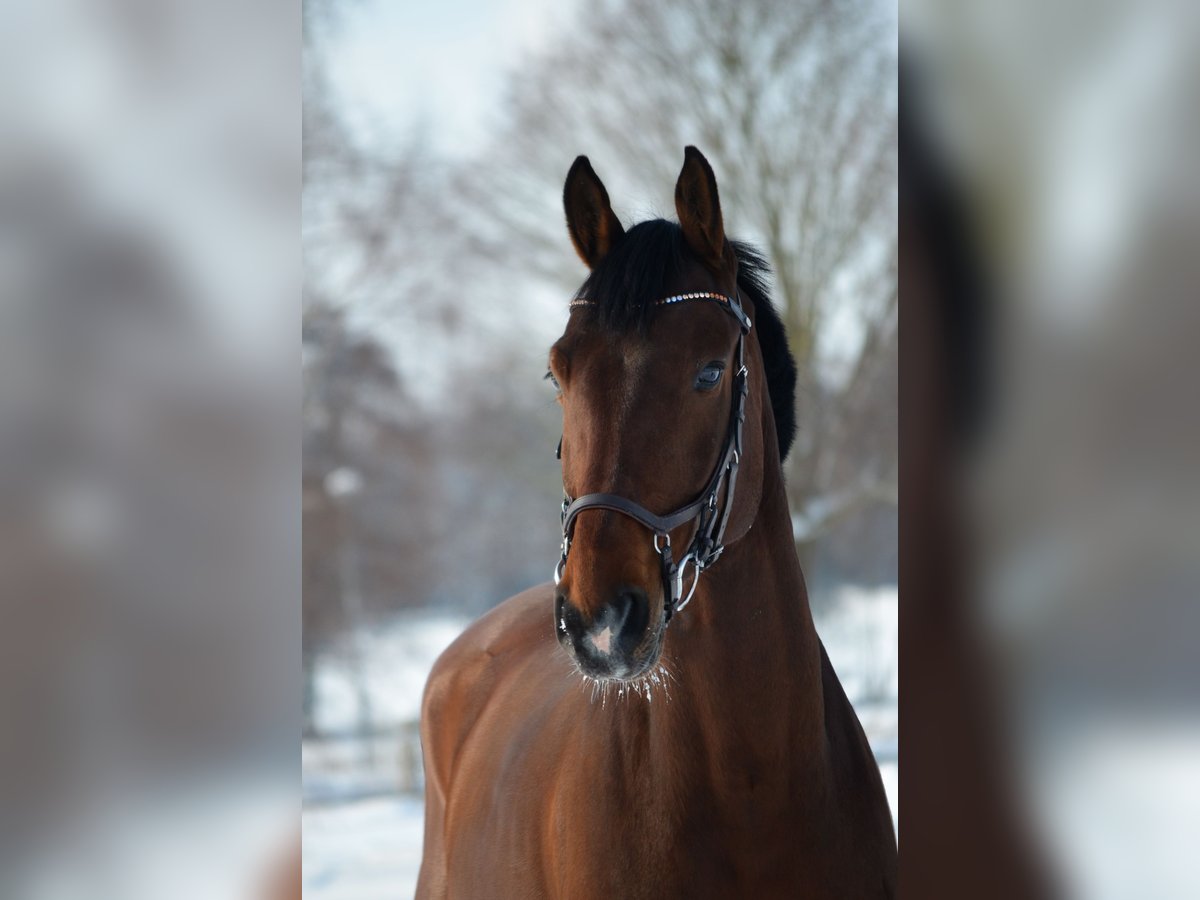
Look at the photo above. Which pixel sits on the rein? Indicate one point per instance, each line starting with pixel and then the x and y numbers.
pixel 706 544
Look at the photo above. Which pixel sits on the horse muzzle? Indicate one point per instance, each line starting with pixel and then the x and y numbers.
pixel 616 641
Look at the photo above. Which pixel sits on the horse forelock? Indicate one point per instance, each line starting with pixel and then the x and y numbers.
pixel 648 262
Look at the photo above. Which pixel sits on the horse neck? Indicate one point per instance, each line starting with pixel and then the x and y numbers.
pixel 748 660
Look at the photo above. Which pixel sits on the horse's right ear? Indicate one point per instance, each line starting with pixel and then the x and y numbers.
pixel 593 226
pixel 699 209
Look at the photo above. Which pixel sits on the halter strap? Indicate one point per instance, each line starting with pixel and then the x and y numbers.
pixel 657 524
pixel 707 540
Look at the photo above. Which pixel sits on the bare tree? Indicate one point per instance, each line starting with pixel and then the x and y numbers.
pixel 373 213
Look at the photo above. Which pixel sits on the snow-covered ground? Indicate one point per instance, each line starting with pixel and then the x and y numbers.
pixel 860 632
pixel 366 850
pixel 364 846
pixel 395 661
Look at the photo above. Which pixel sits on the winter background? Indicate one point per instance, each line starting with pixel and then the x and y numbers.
pixel 437 266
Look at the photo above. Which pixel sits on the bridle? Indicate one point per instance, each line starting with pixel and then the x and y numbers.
pixel 707 544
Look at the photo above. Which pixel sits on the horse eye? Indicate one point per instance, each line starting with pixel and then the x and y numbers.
pixel 710 376
pixel 549 376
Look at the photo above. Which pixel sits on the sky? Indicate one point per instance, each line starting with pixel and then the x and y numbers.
pixel 438 67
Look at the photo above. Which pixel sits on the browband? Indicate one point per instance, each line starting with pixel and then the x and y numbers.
pixel 731 306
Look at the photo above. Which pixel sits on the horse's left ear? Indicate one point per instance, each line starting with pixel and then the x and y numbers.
pixel 591 222
pixel 699 208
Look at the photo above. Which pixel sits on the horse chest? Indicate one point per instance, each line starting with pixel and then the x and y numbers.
pixel 625 833
pixel 578 835
pixel 707 855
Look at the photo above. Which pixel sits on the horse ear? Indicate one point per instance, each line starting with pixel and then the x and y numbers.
pixel 699 208
pixel 593 226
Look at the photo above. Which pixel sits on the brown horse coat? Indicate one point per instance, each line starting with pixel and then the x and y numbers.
pixel 743 772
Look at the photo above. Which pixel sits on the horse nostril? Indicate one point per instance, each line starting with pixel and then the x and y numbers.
pixel 632 610
pixel 619 627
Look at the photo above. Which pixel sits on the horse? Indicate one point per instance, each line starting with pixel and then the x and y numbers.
pixel 662 720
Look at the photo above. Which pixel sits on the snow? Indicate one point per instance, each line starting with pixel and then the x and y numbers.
pixel 368 850
pixel 860 631
pixel 395 662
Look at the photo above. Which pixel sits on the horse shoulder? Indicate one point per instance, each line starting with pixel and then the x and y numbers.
pixel 464 677
pixel 459 687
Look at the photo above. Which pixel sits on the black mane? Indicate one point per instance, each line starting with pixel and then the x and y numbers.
pixel 653 255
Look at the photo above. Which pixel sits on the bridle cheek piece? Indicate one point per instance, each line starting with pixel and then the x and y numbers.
pixel 707 544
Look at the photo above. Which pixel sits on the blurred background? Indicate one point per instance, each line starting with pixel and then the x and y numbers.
pixel 437 274
pixel 149 518
pixel 1050 213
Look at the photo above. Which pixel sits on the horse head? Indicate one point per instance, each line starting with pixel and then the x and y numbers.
pixel 663 399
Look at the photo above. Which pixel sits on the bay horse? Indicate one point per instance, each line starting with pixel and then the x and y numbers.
pixel 658 722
